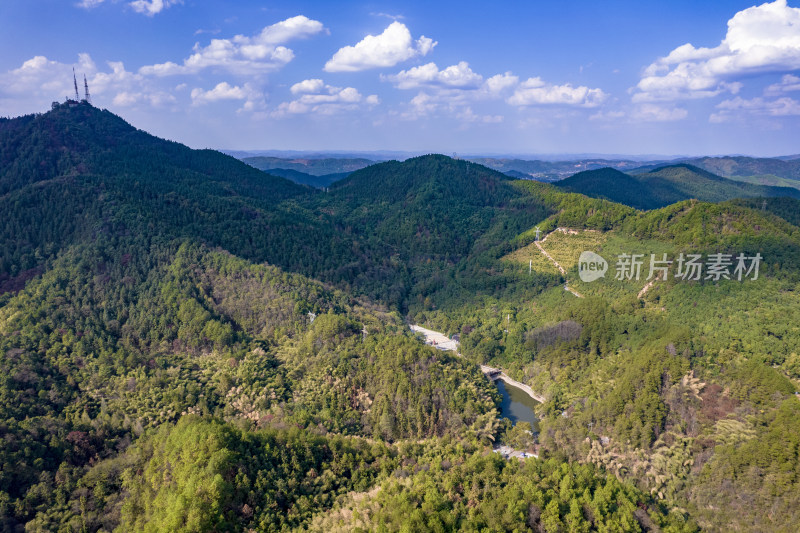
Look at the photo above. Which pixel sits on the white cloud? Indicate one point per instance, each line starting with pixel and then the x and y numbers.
pixel 500 82
pixel 655 113
pixel 152 7
pixel 534 91
pixel 222 91
pixel 152 99
pixel 458 76
pixel 760 39
pixel 317 97
pixel 146 7
pixel 787 84
pixel 467 115
pixel 391 47
pixel 736 107
pixel 454 89
pixel 89 4
pixel 387 15
pixel 308 86
pixel 608 116
pixel 253 98
pixel 39 81
pixel 244 55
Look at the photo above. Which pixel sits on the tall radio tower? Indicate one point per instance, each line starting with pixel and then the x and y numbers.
pixel 87 98
pixel 75 81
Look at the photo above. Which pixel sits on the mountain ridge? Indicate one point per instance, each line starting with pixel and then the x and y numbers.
pixel 665 185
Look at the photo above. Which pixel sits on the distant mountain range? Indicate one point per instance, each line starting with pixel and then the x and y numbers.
pixel 320 182
pixel 756 170
pixel 750 166
pixel 666 185
pixel 761 170
pixel 541 170
pixel 314 167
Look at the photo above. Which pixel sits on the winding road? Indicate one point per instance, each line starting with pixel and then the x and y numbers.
pixel 443 342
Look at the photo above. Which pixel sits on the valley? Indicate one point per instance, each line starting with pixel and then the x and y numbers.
pixel 190 343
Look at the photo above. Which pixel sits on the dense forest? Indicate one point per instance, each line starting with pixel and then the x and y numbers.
pixel 666 185
pixel 188 343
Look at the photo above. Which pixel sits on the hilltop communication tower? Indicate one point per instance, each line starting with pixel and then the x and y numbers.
pixel 75 81
pixel 86 98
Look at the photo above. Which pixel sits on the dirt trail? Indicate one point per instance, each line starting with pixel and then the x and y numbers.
pixel 648 286
pixel 550 257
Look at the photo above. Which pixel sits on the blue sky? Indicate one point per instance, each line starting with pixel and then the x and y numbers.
pixel 639 77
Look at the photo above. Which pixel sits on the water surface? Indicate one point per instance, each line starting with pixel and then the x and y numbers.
pixel 517 406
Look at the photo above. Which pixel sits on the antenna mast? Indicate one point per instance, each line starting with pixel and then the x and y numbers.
pixel 75 81
pixel 87 98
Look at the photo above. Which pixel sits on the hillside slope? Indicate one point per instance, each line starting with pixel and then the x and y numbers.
pixel 749 166
pixel 666 185
pixel 315 167
pixel 73 173
pixel 320 182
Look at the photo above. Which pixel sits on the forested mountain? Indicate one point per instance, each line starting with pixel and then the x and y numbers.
pixel 320 182
pixel 444 220
pixel 308 165
pixel 750 166
pixel 670 383
pixel 75 172
pixel 665 185
pixel 190 344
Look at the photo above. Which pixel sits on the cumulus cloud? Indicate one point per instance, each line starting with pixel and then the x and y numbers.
pixel 242 55
pixel 500 82
pixel 447 103
pixel 458 76
pixel 454 89
pixel 737 107
pixel 146 7
pixel 152 7
pixel 391 47
pixel 222 91
pixel 788 83
pixel 253 100
pixel 467 115
pixel 314 96
pixel 760 39
pixel 39 81
pixel 308 86
pixel 535 91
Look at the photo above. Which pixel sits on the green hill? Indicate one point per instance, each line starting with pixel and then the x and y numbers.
pixel 749 166
pixel 320 182
pixel 72 173
pixel 610 184
pixel 443 219
pixel 141 311
pixel 188 343
pixel 430 204
pixel 313 166
pixel 666 185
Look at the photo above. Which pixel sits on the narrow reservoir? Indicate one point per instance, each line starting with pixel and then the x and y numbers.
pixel 516 405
